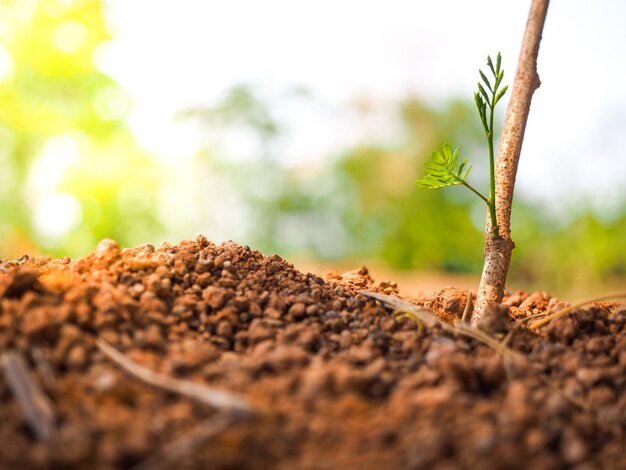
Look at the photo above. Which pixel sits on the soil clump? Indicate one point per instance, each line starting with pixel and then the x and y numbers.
pixel 338 382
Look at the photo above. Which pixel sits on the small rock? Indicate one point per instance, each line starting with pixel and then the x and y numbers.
pixel 442 347
pixel 297 311
pixel 589 377
pixel 109 335
pixel 151 338
pixel 448 303
pixel 573 448
pixel 76 357
pixel 345 339
pixel 312 310
pixel 537 300
pixel 18 281
pixel 598 345
pixel 258 331
pixel 316 379
pixel 224 329
pixel 363 353
pixel 274 313
pixel 107 249
pixel 483 437
pixel 562 329
pixel 215 297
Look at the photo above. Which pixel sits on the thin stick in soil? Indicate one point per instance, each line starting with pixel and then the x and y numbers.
pixel 46 372
pixel 467 312
pixel 398 305
pixel 200 393
pixel 571 308
pixel 465 329
pixel 35 404
pixel 425 316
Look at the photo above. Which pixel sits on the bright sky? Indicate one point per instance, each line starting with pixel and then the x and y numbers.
pixel 170 55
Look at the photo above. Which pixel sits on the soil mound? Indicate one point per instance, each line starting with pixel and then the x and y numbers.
pixel 338 382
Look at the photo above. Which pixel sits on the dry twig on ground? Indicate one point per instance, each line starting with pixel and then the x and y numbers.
pixel 571 308
pixel 35 404
pixel 200 393
pixel 231 407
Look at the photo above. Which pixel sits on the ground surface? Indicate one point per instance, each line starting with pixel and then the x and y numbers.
pixel 335 380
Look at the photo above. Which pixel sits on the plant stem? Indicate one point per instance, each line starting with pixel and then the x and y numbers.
pixel 492 173
pixel 498 250
pixel 495 233
pixel 474 190
pixel 490 205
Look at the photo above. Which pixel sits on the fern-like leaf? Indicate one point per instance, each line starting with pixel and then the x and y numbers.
pixel 443 169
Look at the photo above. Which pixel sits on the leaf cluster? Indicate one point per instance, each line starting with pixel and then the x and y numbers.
pixel 443 169
pixel 484 99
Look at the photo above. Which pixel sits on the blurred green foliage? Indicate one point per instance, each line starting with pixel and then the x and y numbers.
pixel 584 254
pixel 64 147
pixel 66 153
pixel 389 218
pixel 363 206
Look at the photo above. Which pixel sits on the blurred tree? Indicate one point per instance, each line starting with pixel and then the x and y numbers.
pixel 72 171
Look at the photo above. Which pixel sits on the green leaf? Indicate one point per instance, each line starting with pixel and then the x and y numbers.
pixel 443 169
pixel 479 101
pixel 482 109
pixel 469 168
pixel 499 79
pixel 484 77
pixel 498 62
pixel 501 93
pixel 483 118
pixel 490 64
pixel 484 93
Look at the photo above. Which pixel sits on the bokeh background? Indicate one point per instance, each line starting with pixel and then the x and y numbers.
pixel 299 128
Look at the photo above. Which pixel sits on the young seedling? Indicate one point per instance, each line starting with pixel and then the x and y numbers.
pixel 443 168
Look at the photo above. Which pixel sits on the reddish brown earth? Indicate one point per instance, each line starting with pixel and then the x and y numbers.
pixel 335 380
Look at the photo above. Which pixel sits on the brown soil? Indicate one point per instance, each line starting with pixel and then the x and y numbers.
pixel 335 380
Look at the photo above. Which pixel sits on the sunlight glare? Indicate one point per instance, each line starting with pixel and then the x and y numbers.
pixel 58 154
pixel 111 103
pixel 6 64
pixel 57 214
pixel 165 137
pixel 70 36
